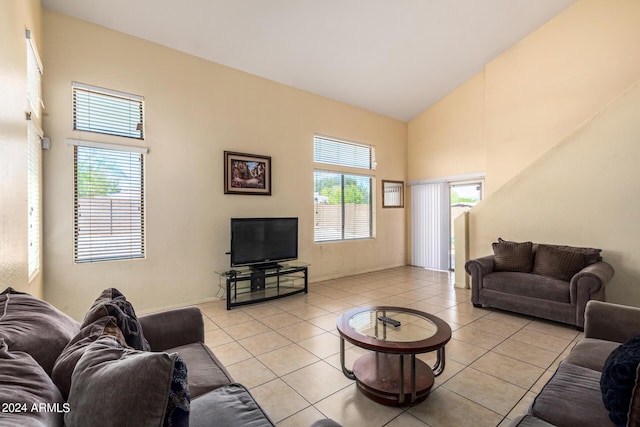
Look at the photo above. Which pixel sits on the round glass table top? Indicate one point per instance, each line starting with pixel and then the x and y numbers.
pixel 387 324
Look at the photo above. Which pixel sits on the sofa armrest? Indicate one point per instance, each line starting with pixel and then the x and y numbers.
pixel 477 269
pixel 173 328
pixel 588 284
pixel 611 322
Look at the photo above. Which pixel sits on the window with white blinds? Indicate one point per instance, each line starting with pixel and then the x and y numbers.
pixel 108 204
pixel 107 111
pixel 344 200
pixel 34 155
pixel 34 72
pixel 343 153
pixel 33 198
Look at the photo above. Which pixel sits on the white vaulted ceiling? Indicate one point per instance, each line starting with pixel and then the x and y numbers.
pixel 393 57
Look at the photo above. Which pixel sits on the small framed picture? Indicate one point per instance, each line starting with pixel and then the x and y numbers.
pixel 392 194
pixel 247 174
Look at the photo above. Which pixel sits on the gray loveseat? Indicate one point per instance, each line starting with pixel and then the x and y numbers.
pixel 114 369
pixel 547 281
pixel 573 396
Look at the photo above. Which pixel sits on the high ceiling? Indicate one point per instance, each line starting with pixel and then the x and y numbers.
pixel 395 58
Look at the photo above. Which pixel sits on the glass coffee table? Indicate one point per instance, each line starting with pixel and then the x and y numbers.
pixel 393 334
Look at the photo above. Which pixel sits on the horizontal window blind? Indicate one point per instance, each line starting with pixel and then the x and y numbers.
pixel 344 202
pixel 108 112
pixel 33 198
pixel 108 204
pixel 343 153
pixel 34 72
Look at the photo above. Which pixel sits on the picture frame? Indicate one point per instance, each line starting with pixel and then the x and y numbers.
pixel 392 194
pixel 248 174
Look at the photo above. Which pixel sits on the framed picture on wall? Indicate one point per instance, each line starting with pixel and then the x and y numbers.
pixel 392 194
pixel 247 174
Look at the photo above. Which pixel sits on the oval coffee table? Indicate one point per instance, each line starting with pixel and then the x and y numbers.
pixel 383 375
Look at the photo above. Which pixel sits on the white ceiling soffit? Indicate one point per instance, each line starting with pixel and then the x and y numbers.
pixel 395 58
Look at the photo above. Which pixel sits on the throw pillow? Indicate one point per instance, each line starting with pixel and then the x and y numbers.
pixel 34 326
pixel 558 263
pixel 592 255
pixel 114 386
pixel 512 256
pixel 25 384
pixel 111 302
pixel 66 362
pixel 619 383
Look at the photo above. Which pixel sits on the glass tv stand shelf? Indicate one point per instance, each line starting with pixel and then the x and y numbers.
pixel 245 285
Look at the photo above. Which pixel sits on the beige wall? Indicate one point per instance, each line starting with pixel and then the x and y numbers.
pixel 15 17
pixel 582 192
pixel 194 111
pixel 448 138
pixel 525 102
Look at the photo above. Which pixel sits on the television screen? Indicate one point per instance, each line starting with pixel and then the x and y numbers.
pixel 256 241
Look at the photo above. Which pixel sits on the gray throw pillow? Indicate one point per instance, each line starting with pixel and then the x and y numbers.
pixel 34 326
pixel 66 362
pixel 512 256
pixel 115 386
pixel 25 384
pixel 558 263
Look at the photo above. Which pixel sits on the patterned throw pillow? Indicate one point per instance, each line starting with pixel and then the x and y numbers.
pixel 111 302
pixel 512 256
pixel 558 263
pixel 619 384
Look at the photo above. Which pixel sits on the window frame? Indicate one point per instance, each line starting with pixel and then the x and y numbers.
pixel 138 249
pixel 349 164
pixel 34 156
pixel 114 113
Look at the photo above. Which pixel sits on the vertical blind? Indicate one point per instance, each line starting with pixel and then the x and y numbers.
pixel 107 111
pixel 108 204
pixel 430 225
pixel 344 202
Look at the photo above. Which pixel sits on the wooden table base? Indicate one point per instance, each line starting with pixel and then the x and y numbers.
pixel 378 376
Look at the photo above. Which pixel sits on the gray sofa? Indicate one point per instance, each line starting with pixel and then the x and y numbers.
pixel 573 396
pixel 547 281
pixel 114 369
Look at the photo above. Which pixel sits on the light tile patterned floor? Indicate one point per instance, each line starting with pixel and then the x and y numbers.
pixel 286 352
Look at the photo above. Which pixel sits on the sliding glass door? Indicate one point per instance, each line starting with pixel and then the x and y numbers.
pixel 463 196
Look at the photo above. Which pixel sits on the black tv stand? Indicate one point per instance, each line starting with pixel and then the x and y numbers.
pixel 248 285
pixel 264 266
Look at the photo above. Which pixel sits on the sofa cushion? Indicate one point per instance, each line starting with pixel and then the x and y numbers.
pixel 592 255
pixel 528 285
pixel 66 362
pixel 512 256
pixel 619 381
pixel 228 405
pixel 114 386
pixel 572 397
pixel 558 263
pixel 591 353
pixel 34 326
pixel 206 372
pixel 24 384
pixel 111 302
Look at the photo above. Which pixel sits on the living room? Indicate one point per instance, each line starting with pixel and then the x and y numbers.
pixel 550 123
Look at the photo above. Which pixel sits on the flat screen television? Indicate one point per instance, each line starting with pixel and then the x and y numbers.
pixel 263 242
